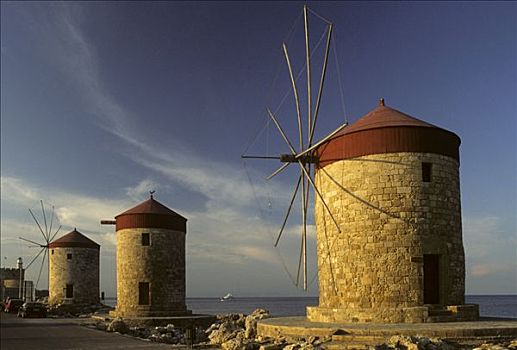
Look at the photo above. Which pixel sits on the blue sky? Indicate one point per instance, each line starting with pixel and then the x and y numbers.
pixel 102 102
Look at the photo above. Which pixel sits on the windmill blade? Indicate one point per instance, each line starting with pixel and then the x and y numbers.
pixel 320 90
pixel 34 259
pixel 277 171
pixel 305 188
pixel 308 63
pixel 37 223
pixel 41 268
pixel 54 236
pixel 299 264
pixel 28 240
pixel 323 140
pixel 319 195
pixel 286 139
pixel 47 236
pixel 51 220
pixel 244 156
pixel 288 210
pixel 295 93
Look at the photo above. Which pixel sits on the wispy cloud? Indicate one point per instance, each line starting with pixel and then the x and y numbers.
pixel 142 190
pixel 80 63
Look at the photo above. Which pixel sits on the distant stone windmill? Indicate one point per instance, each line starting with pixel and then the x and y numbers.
pixel 45 228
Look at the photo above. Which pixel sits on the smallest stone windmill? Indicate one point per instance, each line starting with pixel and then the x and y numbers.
pixel 74 270
pixel 150 261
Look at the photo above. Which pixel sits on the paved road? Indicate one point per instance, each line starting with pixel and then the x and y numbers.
pixel 46 333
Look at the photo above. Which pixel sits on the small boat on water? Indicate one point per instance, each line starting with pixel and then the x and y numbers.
pixel 227 297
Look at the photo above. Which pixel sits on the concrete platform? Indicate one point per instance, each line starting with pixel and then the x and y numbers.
pixel 187 321
pixel 376 333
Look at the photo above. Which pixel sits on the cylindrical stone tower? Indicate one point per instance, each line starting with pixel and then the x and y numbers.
pixel 392 183
pixel 74 270
pixel 150 261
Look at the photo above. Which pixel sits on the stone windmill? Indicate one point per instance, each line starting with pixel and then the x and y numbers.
pixel 74 270
pixel 150 261
pixel 387 212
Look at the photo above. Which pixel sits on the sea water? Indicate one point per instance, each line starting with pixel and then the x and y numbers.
pixel 489 305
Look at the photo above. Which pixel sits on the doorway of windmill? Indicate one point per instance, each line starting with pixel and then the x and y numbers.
pixel 69 291
pixel 431 278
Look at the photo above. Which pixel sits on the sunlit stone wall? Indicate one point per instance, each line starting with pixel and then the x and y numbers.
pixel 161 264
pixel 389 218
pixel 82 271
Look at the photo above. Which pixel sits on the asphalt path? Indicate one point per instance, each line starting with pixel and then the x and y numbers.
pixel 48 333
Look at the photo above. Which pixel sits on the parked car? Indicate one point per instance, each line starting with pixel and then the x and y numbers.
pixel 32 310
pixel 13 305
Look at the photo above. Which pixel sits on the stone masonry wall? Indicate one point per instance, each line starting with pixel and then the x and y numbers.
pixel 161 264
pixel 82 271
pixel 373 270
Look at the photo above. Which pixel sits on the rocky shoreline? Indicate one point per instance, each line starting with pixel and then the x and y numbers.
pixel 239 332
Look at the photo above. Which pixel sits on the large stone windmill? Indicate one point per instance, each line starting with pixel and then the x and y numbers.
pixel 387 213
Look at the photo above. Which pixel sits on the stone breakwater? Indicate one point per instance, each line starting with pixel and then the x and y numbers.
pixel 239 332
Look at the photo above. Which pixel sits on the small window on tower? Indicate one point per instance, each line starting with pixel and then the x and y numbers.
pixel 52 251
pixel 426 172
pixel 146 239
pixel 69 256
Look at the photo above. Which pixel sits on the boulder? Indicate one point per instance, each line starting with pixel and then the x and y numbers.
pixel 118 325
pixel 251 322
pixel 225 332
pixel 234 344
pixel 212 328
pixel 271 347
pixel 415 343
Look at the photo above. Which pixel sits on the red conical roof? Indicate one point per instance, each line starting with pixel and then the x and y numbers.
pixel 151 206
pixel 387 130
pixel 384 117
pixel 151 214
pixel 74 239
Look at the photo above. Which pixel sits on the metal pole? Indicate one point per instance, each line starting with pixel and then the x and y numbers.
pixel 304 226
pixel 322 81
pixel 323 140
pixel 20 267
pixel 308 59
pixel 277 171
pixel 319 195
pixel 37 223
pixel 48 269
pixel 284 136
pixel 305 185
pixel 45 220
pixel 288 210
pixel 296 99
